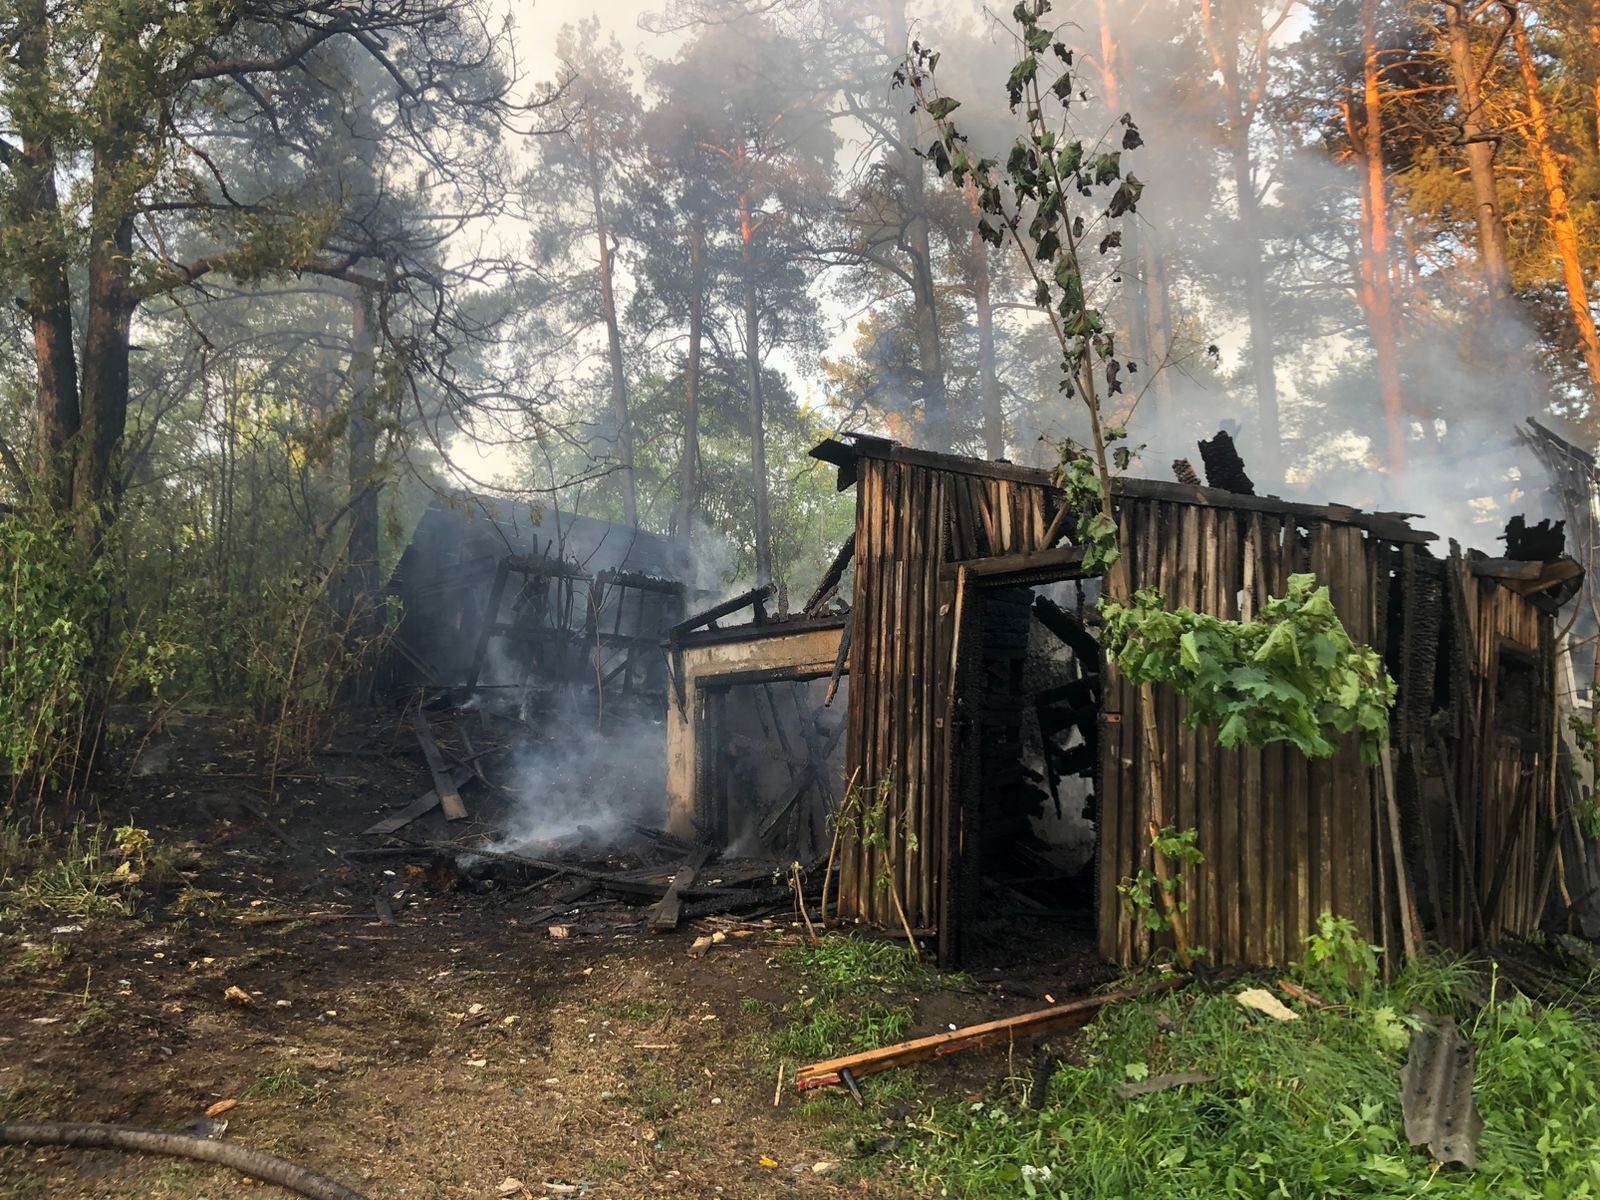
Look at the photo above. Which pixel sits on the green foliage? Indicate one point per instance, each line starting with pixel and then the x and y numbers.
pixel 86 871
pixel 845 965
pixel 1085 498
pixel 1586 739
pixel 1339 962
pixel 1292 675
pixel 1298 1109
pixel 1151 900
pixel 48 603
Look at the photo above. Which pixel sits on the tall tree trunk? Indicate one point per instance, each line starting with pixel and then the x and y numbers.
pixel 994 420
pixel 1480 153
pixel 1222 32
pixel 689 467
pixel 917 241
pixel 1563 229
pixel 1377 249
pixel 106 345
pixel 359 584
pixel 752 360
pixel 608 306
pixel 1143 264
pixel 35 209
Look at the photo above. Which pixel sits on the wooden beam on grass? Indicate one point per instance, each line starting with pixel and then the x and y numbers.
pixel 973 1037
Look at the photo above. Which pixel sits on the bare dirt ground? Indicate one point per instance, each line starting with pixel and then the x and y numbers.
pixel 440 1052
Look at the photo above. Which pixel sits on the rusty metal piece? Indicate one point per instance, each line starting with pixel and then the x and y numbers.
pixel 1436 1093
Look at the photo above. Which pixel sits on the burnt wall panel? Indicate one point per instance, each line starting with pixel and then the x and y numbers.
pixel 1284 838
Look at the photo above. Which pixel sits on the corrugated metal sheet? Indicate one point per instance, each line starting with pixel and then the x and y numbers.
pixel 1436 1093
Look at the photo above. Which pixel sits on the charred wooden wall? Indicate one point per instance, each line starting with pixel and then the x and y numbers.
pixel 1284 837
pixel 1503 738
pixel 1464 837
pixel 915 515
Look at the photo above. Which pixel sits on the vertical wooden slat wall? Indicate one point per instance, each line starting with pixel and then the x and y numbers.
pixel 911 520
pixel 1284 838
pixel 1510 814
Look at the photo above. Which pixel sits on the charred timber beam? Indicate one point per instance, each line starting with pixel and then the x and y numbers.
pixel 755 597
pixel 830 579
pixel 1506 568
pixel 443 784
pixel 1065 562
pixel 1391 527
pixel 548 568
pixel 640 582
pixel 844 457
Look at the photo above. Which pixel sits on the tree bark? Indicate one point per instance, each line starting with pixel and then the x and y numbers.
pixel 36 209
pixel 1144 268
pixel 106 347
pixel 689 467
pixel 608 305
pixel 752 359
pixel 1563 230
pixel 1377 251
pixel 1480 150
pixel 1222 32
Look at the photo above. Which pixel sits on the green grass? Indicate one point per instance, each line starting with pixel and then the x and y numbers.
pixel 284 1083
pixel 1309 1108
pixel 848 964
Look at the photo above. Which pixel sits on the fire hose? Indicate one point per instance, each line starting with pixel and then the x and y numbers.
pixel 265 1167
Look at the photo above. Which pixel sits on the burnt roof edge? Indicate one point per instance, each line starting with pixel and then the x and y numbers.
pixel 1393 527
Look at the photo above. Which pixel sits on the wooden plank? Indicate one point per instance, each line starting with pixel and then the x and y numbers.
pixel 755 596
pixel 443 783
pixel 1065 560
pixel 1505 568
pixel 972 1037
pixel 666 914
pixel 1186 540
pixel 424 804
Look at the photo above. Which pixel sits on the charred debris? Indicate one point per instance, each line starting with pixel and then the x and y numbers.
pixel 531 666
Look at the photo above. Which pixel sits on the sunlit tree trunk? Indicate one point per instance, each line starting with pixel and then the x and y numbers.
pixel 1145 267
pixel 1480 152
pixel 1563 229
pixel 1377 287
pixel 752 359
pixel 689 467
pixel 608 305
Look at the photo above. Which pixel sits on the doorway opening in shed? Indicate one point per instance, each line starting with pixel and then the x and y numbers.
pixel 1025 758
pixel 770 758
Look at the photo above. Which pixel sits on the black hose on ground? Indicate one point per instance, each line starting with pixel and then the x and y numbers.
pixel 83 1136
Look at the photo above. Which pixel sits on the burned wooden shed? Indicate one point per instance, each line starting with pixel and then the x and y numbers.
pixel 952 747
pixel 493 592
